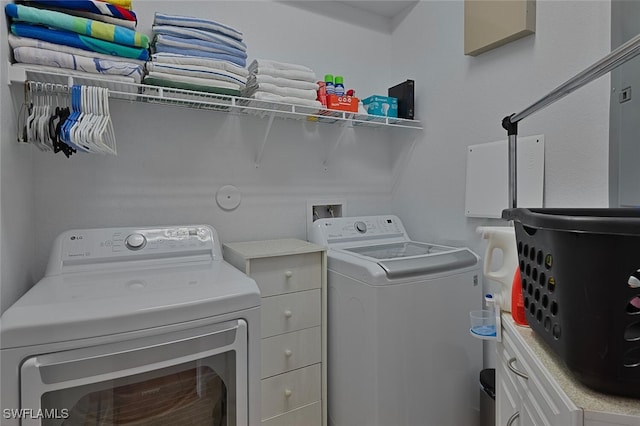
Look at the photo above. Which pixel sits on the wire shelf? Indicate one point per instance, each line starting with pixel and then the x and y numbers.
pixel 133 92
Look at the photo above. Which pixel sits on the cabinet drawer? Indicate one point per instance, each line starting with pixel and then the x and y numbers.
pixel 548 404
pixel 287 274
pixel 290 312
pixel 289 391
pixel 291 351
pixel 309 415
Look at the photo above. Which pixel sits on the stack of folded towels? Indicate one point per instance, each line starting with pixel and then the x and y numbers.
pixel 85 37
pixel 275 81
pixel 197 54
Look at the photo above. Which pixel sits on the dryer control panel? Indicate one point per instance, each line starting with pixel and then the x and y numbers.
pixel 363 228
pixel 99 246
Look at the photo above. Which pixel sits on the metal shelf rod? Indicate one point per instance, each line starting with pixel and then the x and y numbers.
pixel 617 57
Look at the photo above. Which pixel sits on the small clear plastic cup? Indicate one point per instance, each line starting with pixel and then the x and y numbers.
pixel 483 323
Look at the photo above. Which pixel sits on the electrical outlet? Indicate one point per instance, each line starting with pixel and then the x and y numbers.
pixel 321 209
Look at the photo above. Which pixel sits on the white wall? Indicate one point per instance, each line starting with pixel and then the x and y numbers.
pixel 171 161
pixel 16 194
pixel 462 100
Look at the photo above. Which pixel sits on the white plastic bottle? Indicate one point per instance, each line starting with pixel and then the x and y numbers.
pixel 504 239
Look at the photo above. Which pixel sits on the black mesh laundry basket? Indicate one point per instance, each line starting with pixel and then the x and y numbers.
pixel 581 289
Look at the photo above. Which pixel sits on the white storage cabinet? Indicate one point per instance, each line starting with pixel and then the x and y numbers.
pixel 534 388
pixel 292 278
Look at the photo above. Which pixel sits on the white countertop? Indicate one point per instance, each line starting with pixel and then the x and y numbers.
pixel 582 396
pixel 269 248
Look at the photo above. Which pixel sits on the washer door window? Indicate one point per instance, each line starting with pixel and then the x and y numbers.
pixel 194 377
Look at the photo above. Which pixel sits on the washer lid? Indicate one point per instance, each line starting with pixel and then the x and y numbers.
pixel 90 304
pixel 411 258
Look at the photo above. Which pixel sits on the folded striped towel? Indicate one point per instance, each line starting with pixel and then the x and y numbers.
pixel 213 82
pixel 255 79
pixel 196 71
pixel 94 16
pixel 192 83
pixel 199 35
pixel 195 44
pixel 290 74
pixel 93 6
pixel 68 38
pixel 173 58
pixel 162 48
pixel 281 91
pixel 15 41
pixel 52 58
pixel 83 26
pixel 197 23
pixel 122 3
pixel 267 63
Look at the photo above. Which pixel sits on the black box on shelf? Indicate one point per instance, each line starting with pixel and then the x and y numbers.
pixel 404 93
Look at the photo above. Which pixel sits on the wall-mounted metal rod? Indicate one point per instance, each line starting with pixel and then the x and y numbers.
pixel 617 57
pixel 613 60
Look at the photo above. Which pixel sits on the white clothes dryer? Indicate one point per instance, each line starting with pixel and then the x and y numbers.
pixel 399 347
pixel 140 326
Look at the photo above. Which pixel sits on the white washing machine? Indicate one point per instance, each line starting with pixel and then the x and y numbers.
pixel 400 352
pixel 141 326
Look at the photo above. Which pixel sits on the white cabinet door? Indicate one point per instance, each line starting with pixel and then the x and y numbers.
pixel 508 399
pixel 526 386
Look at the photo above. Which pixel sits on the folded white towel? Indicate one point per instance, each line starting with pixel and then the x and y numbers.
pixel 257 63
pixel 81 74
pixel 196 71
pixel 270 97
pixel 281 91
pixel 208 82
pixel 290 74
pixel 69 61
pixel 174 58
pixel 282 82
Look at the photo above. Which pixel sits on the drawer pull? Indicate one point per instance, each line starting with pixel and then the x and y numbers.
pixel 288 314
pixel 288 353
pixel 288 274
pixel 515 370
pixel 287 393
pixel 513 418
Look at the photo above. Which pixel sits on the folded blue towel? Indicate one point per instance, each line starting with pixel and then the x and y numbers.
pixel 68 38
pixel 192 43
pixel 192 33
pixel 83 26
pixel 161 48
pixel 197 23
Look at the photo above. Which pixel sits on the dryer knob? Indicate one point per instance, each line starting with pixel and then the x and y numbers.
pixel 135 241
pixel 361 227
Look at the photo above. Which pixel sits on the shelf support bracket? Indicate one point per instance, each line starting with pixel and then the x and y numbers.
pixel 264 141
pixel 343 131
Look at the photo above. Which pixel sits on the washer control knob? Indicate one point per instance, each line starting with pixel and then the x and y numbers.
pixel 135 241
pixel 361 227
